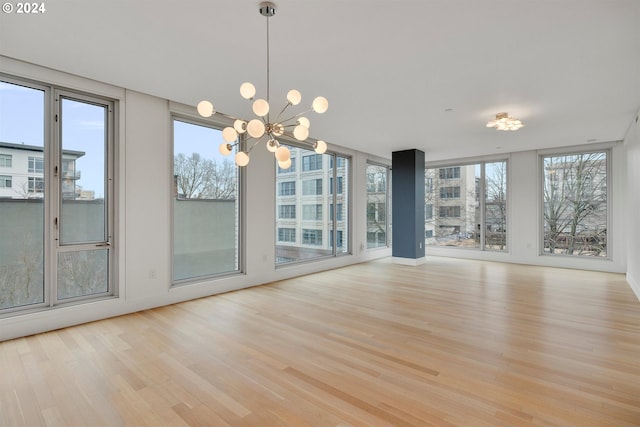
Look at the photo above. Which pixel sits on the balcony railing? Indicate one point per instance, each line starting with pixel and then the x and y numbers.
pixel 71 175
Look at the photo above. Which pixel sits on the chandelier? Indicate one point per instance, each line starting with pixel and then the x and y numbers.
pixel 265 127
pixel 505 122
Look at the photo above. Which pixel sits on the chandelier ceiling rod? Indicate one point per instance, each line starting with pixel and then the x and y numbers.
pixel 268 9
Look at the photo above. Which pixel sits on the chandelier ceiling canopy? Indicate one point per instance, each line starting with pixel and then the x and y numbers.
pixel 267 126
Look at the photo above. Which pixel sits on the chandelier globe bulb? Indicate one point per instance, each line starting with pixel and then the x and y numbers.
pixel 301 132
pixel 294 97
pixel 242 158
pixel 240 126
pixel 247 90
pixel 229 134
pixel 303 121
pixel 285 165
pixel 260 107
pixel 205 108
pixel 320 104
pixel 283 154
pixel 272 145
pixel 320 147
pixel 255 128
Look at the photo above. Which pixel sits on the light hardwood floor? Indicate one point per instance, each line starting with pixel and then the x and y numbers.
pixel 449 343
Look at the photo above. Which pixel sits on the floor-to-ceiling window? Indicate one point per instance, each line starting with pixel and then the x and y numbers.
pixel 466 205
pixel 377 206
pixel 206 210
pixel 56 204
pixel 312 206
pixel 575 204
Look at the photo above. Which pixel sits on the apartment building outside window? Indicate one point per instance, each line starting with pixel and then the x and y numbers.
pixel 287 211
pixel 36 164
pixel 449 211
pixel 320 230
pixel 287 188
pixel 35 184
pixel 311 237
pixel 287 235
pixel 338 186
pixel 450 192
pixel 312 212
pixel 5 181
pixel 339 242
pixel 338 212
pixel 312 162
pixel 311 187
pixel 449 173
pixel 5 160
pixel 465 206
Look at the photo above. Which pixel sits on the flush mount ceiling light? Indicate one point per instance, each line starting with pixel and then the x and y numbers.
pixel 504 122
pixel 264 128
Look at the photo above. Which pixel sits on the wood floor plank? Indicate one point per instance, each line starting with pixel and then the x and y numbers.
pixel 448 343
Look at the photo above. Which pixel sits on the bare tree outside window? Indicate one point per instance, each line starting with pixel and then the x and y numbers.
pixel 575 204
pixel 495 217
pixel 200 178
pixel 206 212
pixel 21 279
pixel 377 220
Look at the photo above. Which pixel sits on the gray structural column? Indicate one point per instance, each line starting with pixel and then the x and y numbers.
pixel 408 207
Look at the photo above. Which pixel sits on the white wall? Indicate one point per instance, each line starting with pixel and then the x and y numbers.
pixel 632 192
pixel 144 168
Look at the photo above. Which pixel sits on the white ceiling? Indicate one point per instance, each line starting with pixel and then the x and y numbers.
pixel 570 69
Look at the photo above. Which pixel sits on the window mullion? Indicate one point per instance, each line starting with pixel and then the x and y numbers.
pixel 52 202
pixel 483 211
pixel 334 198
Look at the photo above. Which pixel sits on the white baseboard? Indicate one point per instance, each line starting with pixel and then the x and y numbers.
pixel 408 261
pixel 635 286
